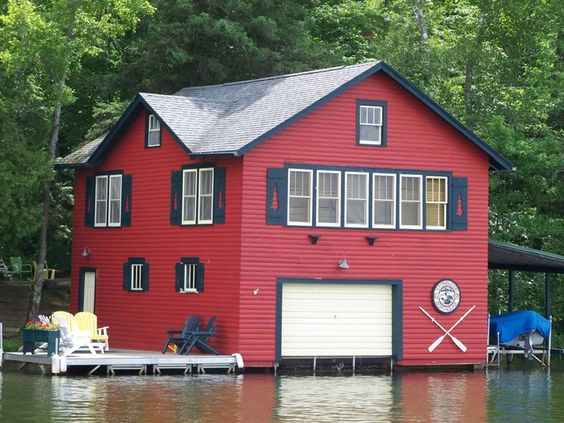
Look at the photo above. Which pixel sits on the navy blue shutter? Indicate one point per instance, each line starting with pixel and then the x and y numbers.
pixel 200 277
pixel 276 198
pixel 219 195
pixel 175 197
pixel 145 277
pixel 459 204
pixel 126 200
pixel 179 277
pixel 89 202
pixel 127 277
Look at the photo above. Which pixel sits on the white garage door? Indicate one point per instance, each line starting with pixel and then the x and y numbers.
pixel 336 320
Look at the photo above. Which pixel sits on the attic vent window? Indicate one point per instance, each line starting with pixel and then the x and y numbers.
pixel 371 123
pixel 153 131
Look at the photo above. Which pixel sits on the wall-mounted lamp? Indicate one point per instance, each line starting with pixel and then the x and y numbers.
pixel 343 264
pixel 371 239
pixel 313 238
pixel 256 291
pixel 86 252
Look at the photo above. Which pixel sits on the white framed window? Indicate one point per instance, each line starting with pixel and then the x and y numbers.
pixel 189 280
pixel 153 132
pixel 384 200
pixel 107 204
pixel 137 277
pixel 197 196
pixel 411 210
pixel 436 202
pixel 370 124
pixel 300 197
pixel 328 198
pixel 205 196
pixel 356 199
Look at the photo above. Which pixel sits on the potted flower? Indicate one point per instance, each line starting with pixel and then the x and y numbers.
pixel 40 330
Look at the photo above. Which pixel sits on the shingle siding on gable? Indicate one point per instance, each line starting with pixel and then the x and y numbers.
pixel 417 139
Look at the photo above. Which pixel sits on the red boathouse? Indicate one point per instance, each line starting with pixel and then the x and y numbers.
pixel 332 213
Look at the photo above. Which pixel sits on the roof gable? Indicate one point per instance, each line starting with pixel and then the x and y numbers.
pixel 230 119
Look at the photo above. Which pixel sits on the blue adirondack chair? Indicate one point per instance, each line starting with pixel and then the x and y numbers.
pixel 200 339
pixel 183 337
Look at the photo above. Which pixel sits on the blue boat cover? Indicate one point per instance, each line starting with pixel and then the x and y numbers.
pixel 510 325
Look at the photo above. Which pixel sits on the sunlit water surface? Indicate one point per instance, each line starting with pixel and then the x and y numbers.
pixel 525 395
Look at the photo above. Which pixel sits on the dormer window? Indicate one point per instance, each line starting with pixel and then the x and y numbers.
pixel 371 123
pixel 153 138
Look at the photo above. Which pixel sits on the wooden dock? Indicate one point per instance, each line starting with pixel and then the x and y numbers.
pixel 144 362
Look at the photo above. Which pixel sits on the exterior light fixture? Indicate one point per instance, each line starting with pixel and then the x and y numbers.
pixel 86 252
pixel 343 264
pixel 313 238
pixel 371 239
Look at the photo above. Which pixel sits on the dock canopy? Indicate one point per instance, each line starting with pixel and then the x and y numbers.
pixel 503 255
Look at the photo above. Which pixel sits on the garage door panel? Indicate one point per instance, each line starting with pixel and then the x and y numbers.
pixel 336 319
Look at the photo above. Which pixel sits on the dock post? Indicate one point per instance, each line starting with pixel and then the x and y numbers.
pixel 56 364
pixel 354 364
pixel 1 345
pixel 314 364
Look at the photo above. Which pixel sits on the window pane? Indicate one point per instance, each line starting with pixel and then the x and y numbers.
pixel 189 196
pixel 189 209
pixel 154 138
pixel 101 188
pixel 410 214
pixel 383 213
pixel 328 190
pixel 206 181
pixel 205 209
pixel 115 200
pixel 436 203
pixel 370 133
pixel 357 200
pixel 206 195
pixel 101 204
pixel 410 201
pixel 299 196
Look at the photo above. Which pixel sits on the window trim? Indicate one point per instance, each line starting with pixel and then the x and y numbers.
pixel 367 197
pixel 393 225
pixel 421 202
pixel 339 199
pixel 108 202
pixel 383 105
pixel 136 285
pixel 197 206
pixel 444 204
pixel 153 126
pixel 310 218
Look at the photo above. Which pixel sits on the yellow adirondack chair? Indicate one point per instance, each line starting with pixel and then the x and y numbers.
pixel 88 322
pixel 72 338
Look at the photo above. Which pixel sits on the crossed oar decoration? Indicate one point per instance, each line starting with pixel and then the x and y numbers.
pixel 447 332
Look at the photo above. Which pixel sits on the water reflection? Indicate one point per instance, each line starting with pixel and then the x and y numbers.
pixel 405 397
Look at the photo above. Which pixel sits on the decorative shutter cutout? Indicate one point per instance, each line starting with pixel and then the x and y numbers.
pixel 176 197
pixel 127 277
pixel 459 204
pixel 179 277
pixel 276 197
pixel 200 277
pixel 126 200
pixel 145 277
pixel 89 202
pixel 219 195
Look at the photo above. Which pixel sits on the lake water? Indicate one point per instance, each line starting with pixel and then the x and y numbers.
pixel 525 395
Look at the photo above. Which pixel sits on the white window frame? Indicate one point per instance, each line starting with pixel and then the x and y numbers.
pixel 136 280
pixel 393 201
pixel 401 201
pixel 107 201
pixel 153 127
pixel 198 196
pixel 202 221
pixel 366 196
pixel 189 278
pixel 379 126
pixel 338 198
pixel 443 203
pixel 310 197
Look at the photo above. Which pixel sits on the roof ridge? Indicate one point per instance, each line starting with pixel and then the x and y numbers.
pixel 287 75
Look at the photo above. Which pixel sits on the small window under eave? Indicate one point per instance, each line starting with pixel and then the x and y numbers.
pixel 153 132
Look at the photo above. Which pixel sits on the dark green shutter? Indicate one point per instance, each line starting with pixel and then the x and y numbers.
pixel 276 198
pixel 219 195
pixel 127 277
pixel 459 204
pixel 179 277
pixel 89 202
pixel 126 200
pixel 145 277
pixel 175 197
pixel 200 277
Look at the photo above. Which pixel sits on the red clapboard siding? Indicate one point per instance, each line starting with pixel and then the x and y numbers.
pixel 417 139
pixel 140 320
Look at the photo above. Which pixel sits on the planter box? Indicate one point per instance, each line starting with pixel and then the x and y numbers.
pixel 31 337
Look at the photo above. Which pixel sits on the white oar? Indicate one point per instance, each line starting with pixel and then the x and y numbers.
pixel 447 332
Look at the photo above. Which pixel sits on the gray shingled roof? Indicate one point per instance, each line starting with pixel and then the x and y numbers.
pixel 228 119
